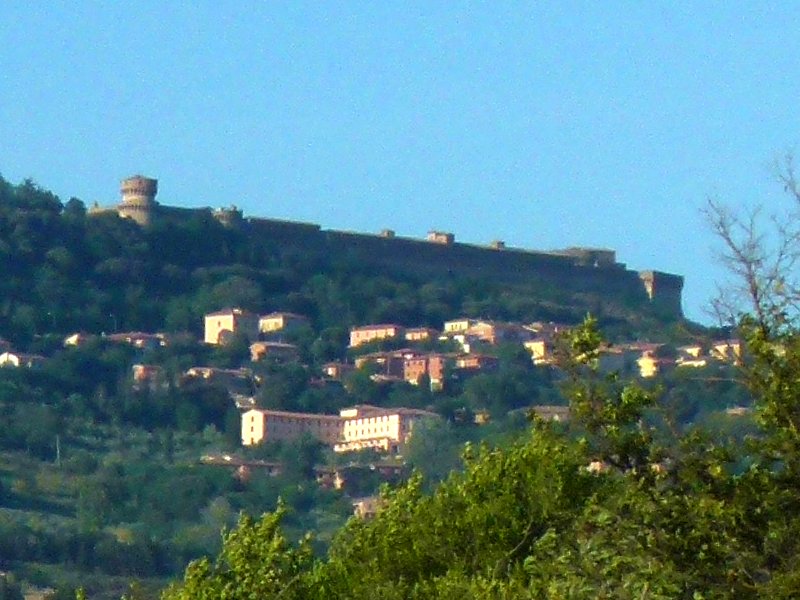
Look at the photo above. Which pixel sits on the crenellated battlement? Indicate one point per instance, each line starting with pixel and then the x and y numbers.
pixel 139 186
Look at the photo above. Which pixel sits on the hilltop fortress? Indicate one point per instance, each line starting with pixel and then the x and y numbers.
pixel 572 270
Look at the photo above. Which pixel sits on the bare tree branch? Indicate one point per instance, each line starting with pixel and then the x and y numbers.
pixel 762 255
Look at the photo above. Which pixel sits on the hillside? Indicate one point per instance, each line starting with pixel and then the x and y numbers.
pixel 88 453
pixel 68 271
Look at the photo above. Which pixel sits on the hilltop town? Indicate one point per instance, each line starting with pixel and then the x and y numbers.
pixel 473 345
pixel 150 351
pixel 370 321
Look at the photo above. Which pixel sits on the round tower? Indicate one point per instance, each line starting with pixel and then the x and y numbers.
pixel 138 199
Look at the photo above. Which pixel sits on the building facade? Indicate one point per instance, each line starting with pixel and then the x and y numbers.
pixel 220 326
pixel 420 334
pixel 281 321
pixel 274 351
pixel 371 333
pixel 352 429
pixel 387 430
pixel 275 425
pixel 415 368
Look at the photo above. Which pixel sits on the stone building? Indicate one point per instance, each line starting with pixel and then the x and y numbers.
pixel 276 425
pixel 371 333
pixel 283 322
pixel 220 326
pixel 355 428
pixel 138 199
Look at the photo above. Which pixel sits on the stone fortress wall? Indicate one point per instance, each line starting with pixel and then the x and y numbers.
pixel 572 270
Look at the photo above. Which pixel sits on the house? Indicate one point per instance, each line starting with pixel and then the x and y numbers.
pixel 274 351
pixel 697 363
pixel 147 376
pixel 243 402
pixel 235 381
pixel 458 325
pixel 282 322
pixel 472 334
pixel 367 508
pixel 693 355
pixel 351 476
pixel 337 370
pixel 494 333
pixel 647 359
pixel 483 331
pixel 431 365
pixel 482 417
pixel 542 351
pixel 77 339
pixel 18 359
pixel 623 358
pixel 730 351
pixel 650 364
pixel 370 333
pixel 415 368
pixel 220 326
pixel 476 362
pixel 691 351
pixel 391 364
pixel 468 343
pixel 329 479
pixel 420 334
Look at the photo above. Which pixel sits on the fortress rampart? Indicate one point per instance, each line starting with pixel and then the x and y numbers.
pixel 572 270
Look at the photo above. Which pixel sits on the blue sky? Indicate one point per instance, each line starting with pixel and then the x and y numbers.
pixel 544 124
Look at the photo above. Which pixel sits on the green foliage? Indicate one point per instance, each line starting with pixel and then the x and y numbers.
pixel 10 589
pixel 627 501
pixel 605 511
pixel 481 522
pixel 256 561
pixel 611 410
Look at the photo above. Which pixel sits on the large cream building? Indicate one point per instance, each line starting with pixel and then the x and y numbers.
pixel 353 428
pixel 386 429
pixel 259 425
